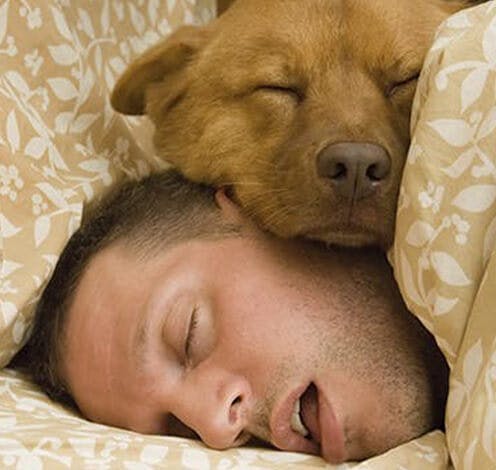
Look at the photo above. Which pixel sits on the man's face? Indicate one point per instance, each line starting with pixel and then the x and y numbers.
pixel 242 337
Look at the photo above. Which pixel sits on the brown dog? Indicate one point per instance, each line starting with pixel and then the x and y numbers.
pixel 300 107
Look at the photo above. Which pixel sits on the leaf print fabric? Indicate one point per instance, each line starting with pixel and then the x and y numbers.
pixel 61 144
pixel 444 252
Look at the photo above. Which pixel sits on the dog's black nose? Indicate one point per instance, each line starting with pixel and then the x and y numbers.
pixel 355 169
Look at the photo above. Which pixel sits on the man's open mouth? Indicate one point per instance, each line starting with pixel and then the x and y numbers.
pixel 306 423
pixel 304 419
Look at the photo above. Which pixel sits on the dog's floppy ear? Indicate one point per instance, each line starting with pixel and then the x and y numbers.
pixel 167 57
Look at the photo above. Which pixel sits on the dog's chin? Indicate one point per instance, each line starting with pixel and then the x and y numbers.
pixel 354 237
pixel 361 231
pixel 365 227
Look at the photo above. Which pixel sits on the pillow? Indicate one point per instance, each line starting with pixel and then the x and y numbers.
pixel 61 144
pixel 446 225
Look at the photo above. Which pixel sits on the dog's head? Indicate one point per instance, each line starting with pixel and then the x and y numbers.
pixel 301 107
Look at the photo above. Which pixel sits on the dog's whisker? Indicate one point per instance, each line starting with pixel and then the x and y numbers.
pixel 243 183
pixel 270 192
pixel 269 206
pixel 277 213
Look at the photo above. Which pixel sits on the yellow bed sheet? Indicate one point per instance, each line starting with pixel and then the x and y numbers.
pixel 446 226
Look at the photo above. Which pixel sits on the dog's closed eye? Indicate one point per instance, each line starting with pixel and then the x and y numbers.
pixel 288 91
pixel 402 86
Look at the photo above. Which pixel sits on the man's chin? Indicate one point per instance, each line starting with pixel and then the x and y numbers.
pixel 263 444
pixel 258 442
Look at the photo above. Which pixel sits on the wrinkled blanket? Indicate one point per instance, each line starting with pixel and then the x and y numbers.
pixel 446 227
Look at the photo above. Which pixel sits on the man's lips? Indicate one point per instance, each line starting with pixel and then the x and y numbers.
pixel 282 436
pixel 310 412
pixel 325 438
pixel 331 433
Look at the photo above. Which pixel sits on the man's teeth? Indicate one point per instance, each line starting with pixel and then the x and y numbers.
pixel 296 424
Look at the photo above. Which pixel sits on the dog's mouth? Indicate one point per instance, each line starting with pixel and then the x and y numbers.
pixel 356 224
pixel 350 235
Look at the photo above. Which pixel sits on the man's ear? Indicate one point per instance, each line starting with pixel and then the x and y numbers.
pixel 169 57
pixel 229 208
pixel 223 5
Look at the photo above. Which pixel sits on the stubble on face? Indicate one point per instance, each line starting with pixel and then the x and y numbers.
pixel 367 341
pixel 281 378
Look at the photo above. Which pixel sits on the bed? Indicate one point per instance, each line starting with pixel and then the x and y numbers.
pixel 62 147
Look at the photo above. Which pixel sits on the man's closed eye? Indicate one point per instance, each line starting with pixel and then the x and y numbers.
pixel 190 337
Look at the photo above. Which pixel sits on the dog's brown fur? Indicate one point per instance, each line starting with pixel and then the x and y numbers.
pixel 249 100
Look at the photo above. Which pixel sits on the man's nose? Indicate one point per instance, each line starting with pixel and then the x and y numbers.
pixel 217 405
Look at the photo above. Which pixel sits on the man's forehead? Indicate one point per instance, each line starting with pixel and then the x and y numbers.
pixel 96 298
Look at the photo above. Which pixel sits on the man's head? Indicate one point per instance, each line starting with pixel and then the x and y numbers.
pixel 134 214
pixel 242 334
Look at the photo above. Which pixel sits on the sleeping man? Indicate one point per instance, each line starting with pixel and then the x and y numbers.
pixel 169 312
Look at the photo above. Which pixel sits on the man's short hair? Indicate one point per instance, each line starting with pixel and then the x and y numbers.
pixel 147 216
